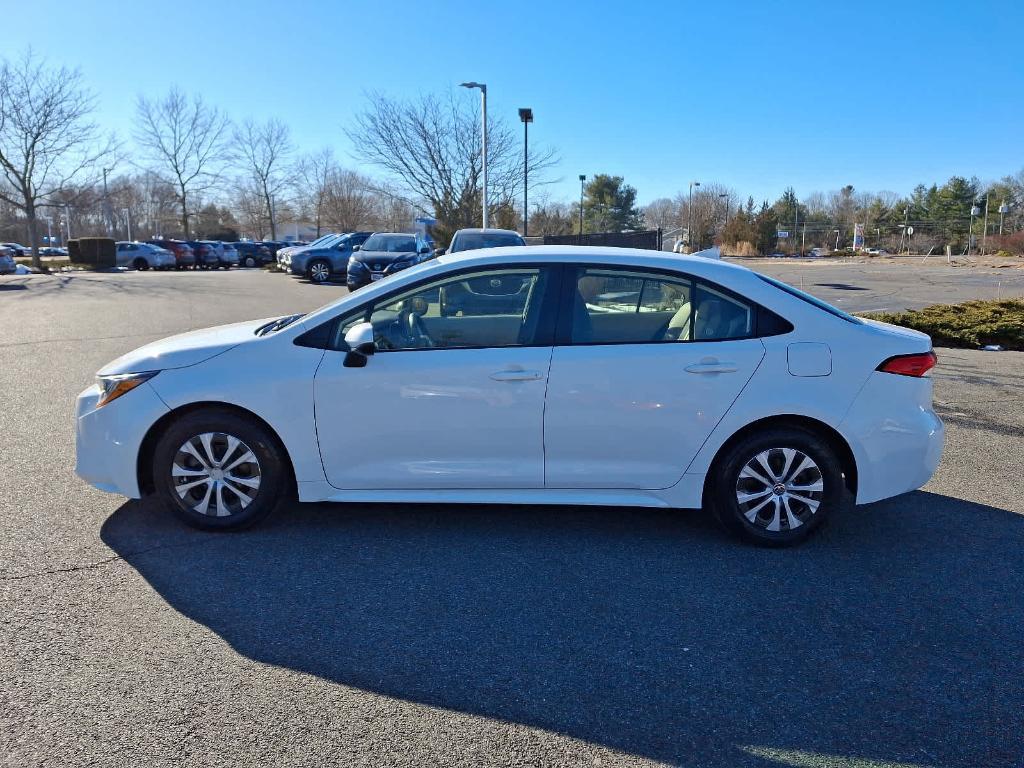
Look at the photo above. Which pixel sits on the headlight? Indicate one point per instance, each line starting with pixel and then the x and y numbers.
pixel 355 264
pixel 112 387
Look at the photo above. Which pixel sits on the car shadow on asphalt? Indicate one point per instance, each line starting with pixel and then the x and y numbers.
pixel 894 634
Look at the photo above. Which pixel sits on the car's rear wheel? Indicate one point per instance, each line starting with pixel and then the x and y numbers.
pixel 776 487
pixel 250 262
pixel 140 264
pixel 319 271
pixel 217 471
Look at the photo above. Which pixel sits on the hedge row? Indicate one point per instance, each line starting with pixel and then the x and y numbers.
pixel 95 252
pixel 972 324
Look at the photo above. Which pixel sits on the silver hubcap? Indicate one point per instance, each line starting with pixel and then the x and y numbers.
pixel 779 489
pixel 320 272
pixel 216 474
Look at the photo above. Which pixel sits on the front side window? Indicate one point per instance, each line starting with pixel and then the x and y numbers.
pixel 487 308
pixel 612 306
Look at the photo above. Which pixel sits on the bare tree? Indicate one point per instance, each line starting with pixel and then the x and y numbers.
pixel 313 177
pixel 262 151
pixel 185 142
pixel 432 149
pixel 47 140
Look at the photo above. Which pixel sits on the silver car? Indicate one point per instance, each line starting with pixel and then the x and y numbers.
pixel 144 256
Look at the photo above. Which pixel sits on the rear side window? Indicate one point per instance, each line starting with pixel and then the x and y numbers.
pixel 814 301
pixel 611 306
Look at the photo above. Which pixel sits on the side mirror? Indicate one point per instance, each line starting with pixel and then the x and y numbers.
pixel 424 249
pixel 440 251
pixel 361 345
pixel 356 247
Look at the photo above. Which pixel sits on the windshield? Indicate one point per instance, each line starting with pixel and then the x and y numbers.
pixel 390 243
pixel 810 299
pixel 325 239
pixel 470 241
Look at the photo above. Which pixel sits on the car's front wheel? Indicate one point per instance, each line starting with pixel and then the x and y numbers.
pixel 218 471
pixel 140 264
pixel 319 271
pixel 250 262
pixel 776 487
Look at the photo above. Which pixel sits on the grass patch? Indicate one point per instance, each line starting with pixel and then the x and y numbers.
pixel 971 324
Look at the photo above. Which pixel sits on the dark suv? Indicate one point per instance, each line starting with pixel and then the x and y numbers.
pixel 183 253
pixel 383 254
pixel 206 255
pixel 252 254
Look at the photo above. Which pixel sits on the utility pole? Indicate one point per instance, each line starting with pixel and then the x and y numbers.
pixel 579 240
pixel 1003 209
pixel 106 201
pixel 689 216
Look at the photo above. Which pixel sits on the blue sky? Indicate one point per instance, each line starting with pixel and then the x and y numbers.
pixel 755 95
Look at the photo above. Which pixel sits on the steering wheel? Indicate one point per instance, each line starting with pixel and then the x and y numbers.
pixel 414 329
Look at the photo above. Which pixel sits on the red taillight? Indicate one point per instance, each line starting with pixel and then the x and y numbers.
pixel 910 365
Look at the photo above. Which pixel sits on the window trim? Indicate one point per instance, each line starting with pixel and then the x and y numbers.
pixel 320 336
pixel 563 332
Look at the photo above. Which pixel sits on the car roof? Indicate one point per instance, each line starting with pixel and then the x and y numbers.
pixel 594 254
pixel 489 231
pixel 395 234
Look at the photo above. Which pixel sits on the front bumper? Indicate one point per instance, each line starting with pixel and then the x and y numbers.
pixel 107 439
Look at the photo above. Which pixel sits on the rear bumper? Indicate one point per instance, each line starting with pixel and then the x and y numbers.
pixel 896 437
pixel 107 440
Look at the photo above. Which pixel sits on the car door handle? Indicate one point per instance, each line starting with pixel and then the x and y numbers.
pixel 715 367
pixel 517 375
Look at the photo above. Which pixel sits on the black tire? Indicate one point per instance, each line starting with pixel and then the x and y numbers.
pixel 319 271
pixel 270 471
pixel 141 264
pixel 250 262
pixel 753 522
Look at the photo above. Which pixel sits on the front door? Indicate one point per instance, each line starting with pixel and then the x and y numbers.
pixel 651 365
pixel 450 399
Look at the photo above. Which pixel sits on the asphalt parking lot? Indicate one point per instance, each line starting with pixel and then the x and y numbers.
pixel 489 635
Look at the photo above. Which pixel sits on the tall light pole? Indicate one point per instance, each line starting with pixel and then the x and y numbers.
pixel 689 216
pixel 128 221
pixel 975 210
pixel 583 178
pixel 67 217
pixel 984 229
pixel 49 231
pixel 483 131
pixel 526 115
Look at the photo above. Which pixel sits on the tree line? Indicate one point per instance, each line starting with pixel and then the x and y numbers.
pixel 191 170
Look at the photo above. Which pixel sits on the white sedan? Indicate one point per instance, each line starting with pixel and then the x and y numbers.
pixel 554 375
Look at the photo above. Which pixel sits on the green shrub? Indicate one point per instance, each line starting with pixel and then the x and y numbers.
pixel 94 252
pixel 971 324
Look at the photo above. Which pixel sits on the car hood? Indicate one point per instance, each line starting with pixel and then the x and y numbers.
pixel 382 257
pixel 185 349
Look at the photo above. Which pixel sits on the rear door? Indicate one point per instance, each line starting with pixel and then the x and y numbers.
pixel 645 366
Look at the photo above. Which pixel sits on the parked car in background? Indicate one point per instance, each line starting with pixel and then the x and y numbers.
pixel 285 251
pixel 228 255
pixel 329 260
pixel 717 388
pixel 8 266
pixel 383 254
pixel 20 251
pixel 52 251
pixel 183 255
pixel 251 254
pixel 473 239
pixel 205 255
pixel 143 256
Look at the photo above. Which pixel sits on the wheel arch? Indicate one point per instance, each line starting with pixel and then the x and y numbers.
pixel 144 460
pixel 819 428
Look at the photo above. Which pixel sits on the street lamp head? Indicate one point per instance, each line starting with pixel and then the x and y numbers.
pixel 526 114
pixel 583 177
pixel 474 84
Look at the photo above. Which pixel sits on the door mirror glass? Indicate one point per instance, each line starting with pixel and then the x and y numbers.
pixel 424 249
pixel 357 247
